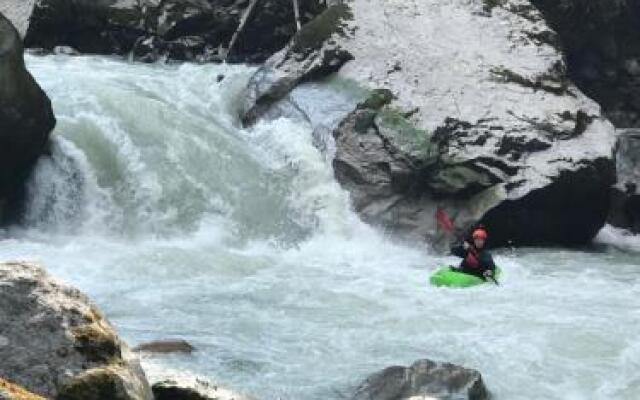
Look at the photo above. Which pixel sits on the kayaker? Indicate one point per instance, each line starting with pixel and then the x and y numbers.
pixel 475 259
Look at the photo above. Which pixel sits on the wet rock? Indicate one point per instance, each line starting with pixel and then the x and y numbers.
pixel 26 120
pixel 165 346
pixel 66 50
pixel 483 121
pixel 10 391
pixel 311 53
pixel 625 205
pixel 191 389
pixel 57 344
pixel 425 379
pixel 192 30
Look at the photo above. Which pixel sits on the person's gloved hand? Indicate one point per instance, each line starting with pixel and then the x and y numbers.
pixel 466 245
pixel 488 273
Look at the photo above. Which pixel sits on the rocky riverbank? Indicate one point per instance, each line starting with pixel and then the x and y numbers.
pixel 486 121
pixel 150 30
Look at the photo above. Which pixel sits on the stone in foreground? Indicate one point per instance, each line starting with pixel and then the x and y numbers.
pixel 425 379
pixel 57 344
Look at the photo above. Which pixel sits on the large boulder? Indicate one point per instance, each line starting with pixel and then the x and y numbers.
pixel 26 120
pixel 482 120
pixel 602 42
pixel 54 342
pixel 174 29
pixel 425 379
pixel 625 205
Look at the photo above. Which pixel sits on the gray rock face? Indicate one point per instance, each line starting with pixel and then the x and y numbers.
pixel 175 29
pixel 18 12
pixel 625 207
pixel 311 53
pixel 26 120
pixel 602 42
pixel 54 342
pixel 484 122
pixel 425 379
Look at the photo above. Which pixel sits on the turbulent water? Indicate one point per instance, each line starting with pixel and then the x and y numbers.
pixel 179 223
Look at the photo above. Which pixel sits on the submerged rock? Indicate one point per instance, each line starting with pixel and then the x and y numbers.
pixel 484 122
pixel 165 346
pixel 57 344
pixel 26 120
pixel 195 30
pixel 425 379
pixel 625 205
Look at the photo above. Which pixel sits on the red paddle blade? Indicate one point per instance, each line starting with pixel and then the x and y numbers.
pixel 444 221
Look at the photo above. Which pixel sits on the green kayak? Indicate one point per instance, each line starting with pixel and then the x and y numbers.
pixel 445 276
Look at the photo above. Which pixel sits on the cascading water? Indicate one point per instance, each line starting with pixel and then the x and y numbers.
pixel 179 223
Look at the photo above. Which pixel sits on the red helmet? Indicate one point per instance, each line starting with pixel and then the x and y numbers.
pixel 480 233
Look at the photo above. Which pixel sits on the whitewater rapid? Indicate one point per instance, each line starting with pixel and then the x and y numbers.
pixel 179 223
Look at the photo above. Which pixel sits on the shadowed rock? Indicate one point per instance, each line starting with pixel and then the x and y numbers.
pixel 625 204
pixel 425 379
pixel 26 120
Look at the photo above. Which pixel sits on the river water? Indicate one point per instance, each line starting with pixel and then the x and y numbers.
pixel 178 223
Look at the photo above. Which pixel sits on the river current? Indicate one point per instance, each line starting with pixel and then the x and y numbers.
pixel 178 223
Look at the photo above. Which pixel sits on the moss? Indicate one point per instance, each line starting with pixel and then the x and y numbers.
pixel 97 342
pixel 95 384
pixel 11 391
pixel 400 133
pixel 377 99
pixel 315 33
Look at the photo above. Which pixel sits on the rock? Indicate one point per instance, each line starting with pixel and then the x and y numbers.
pixel 10 391
pixel 625 205
pixel 57 344
pixel 154 30
pixel 311 52
pixel 191 389
pixel 65 50
pixel 165 346
pixel 26 120
pixel 18 12
pixel 602 42
pixel 484 121
pixel 425 379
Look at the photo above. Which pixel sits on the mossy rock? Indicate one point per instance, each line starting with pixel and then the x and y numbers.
pixel 97 342
pixel 107 383
pixel 377 99
pixel 313 35
pixel 400 133
pixel 11 391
